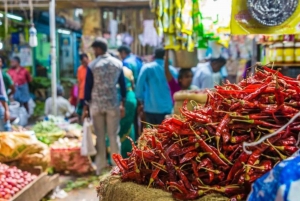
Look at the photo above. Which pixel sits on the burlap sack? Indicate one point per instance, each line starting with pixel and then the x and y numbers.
pixel 111 188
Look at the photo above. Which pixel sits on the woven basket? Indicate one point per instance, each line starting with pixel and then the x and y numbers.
pixel 112 189
pixel 183 58
pixel 199 97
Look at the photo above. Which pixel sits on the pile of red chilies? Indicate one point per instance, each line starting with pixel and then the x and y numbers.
pixel 201 151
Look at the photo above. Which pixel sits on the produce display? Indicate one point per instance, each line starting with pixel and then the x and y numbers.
pixel 201 152
pixel 66 157
pixel 12 180
pixel 15 145
pixel 48 132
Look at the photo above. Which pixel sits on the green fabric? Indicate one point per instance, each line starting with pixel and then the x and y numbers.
pixel 7 80
pixel 126 123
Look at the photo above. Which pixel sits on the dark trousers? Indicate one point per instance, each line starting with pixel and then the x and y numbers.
pixel 153 118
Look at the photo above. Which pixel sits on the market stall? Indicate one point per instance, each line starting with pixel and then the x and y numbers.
pixel 27 155
pixel 204 151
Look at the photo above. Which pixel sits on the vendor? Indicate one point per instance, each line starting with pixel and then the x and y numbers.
pixel 203 77
pixel 64 107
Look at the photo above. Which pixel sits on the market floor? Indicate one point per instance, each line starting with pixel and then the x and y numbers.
pixel 83 194
pixel 88 194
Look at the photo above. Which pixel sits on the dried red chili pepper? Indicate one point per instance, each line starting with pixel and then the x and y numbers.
pixel 243 158
pixel 178 186
pixel 156 171
pixel 188 156
pixel 120 162
pixel 221 129
pixel 286 142
pixel 230 148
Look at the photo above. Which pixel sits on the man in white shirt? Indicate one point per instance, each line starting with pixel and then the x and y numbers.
pixel 203 73
pixel 64 107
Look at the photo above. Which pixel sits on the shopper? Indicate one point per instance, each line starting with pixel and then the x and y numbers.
pixel 21 78
pixel 8 82
pixel 103 75
pixel 152 89
pixel 203 75
pixel 130 60
pixel 127 122
pixel 184 81
pixel 81 75
pixel 64 107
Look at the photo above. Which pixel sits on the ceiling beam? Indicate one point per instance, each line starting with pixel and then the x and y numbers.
pixel 63 4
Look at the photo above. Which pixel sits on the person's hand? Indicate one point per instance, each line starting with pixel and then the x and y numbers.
pixel 85 114
pixel 298 77
pixel 141 110
pixel 6 116
pixel 122 111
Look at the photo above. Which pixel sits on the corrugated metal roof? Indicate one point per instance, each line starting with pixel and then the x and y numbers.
pixel 65 4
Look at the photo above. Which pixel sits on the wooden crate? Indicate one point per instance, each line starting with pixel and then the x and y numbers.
pixel 37 189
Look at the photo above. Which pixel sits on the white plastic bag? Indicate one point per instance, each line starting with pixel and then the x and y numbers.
pixel 87 146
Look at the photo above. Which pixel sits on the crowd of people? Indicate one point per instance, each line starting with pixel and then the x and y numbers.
pixel 13 86
pixel 117 92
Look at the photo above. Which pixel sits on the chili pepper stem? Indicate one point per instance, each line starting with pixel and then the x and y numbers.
pixel 259 134
pixel 209 138
pixel 283 157
pixel 255 167
pixel 171 186
pixel 159 166
pixel 271 157
pixel 184 165
pixel 218 143
pixel 210 170
pixel 200 181
pixel 150 182
pixel 224 158
pixel 144 161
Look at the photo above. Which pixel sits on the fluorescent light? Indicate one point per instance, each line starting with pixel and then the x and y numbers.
pixel 11 16
pixel 63 31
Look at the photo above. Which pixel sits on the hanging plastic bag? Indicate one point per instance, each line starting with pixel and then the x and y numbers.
pixel 87 146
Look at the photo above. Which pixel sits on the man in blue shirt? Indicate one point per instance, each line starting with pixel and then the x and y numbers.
pixel 152 89
pixel 103 75
pixel 130 61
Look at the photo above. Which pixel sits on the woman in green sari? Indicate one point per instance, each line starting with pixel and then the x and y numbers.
pixel 127 123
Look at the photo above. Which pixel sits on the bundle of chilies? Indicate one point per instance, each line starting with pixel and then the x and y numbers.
pixel 201 152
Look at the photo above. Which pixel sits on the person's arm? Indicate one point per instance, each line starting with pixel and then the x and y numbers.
pixel 89 83
pixel 11 86
pixel 122 85
pixel 6 111
pixel 12 90
pixel 28 76
pixel 167 68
